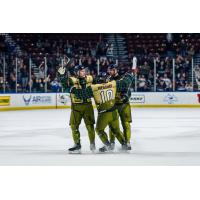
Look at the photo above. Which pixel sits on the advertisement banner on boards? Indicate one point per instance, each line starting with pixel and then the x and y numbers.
pixel 4 100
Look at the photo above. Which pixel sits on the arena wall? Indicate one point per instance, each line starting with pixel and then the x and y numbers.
pixel 62 100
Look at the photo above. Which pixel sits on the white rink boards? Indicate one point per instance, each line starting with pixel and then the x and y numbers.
pixel 160 136
pixel 29 101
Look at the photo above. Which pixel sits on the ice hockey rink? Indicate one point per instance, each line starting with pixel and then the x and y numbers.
pixel 160 136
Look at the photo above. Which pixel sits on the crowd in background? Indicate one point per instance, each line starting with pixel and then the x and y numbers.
pixel 91 54
pixel 181 48
pixel 86 53
pixel 164 73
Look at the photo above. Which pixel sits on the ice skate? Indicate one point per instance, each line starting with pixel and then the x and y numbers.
pixel 124 147
pixel 105 148
pixel 76 149
pixel 112 146
pixel 92 147
pixel 128 146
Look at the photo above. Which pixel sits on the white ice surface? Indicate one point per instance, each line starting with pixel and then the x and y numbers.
pixel 166 136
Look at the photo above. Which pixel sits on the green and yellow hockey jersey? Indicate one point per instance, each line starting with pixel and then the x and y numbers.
pixel 77 83
pixel 104 94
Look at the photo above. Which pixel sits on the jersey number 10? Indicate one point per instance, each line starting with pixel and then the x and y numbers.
pixel 106 95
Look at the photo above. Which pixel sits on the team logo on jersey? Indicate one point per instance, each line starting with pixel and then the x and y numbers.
pixel 170 98
pixel 27 99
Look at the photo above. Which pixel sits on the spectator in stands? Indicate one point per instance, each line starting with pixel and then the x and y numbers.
pixel 197 75
pixel 48 82
pixel 186 65
pixel 93 51
pixel 197 71
pixel 191 51
pixel 40 85
pixel 181 81
pixel 104 64
pixel 142 84
pixel 161 86
pixel 134 62
pixel 35 85
pixel 12 81
pixel 1 81
pixel 91 64
pixel 161 68
pixel 188 87
pixel 198 83
pixel 168 83
pixel 169 37
pixel 55 86
pixel 183 47
pixel 109 51
pixel 179 59
pixel 69 50
pixel 181 87
pixel 41 73
pixel 169 43
pixel 145 69
pixel 24 78
pixel 102 48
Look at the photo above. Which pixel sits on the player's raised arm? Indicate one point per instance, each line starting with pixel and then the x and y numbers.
pixel 63 76
pixel 124 84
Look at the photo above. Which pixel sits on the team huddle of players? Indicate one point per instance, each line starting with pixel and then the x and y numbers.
pixel 111 95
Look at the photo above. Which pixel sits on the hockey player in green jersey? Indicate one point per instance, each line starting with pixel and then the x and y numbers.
pixel 123 107
pixel 104 94
pixel 80 108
